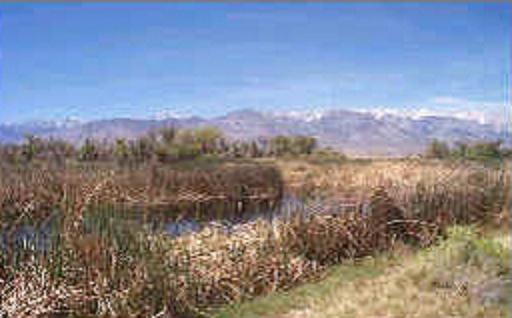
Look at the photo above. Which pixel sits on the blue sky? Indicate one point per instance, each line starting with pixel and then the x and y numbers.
pixel 138 60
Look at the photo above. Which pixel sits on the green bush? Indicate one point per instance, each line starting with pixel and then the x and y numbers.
pixel 437 150
pixel 465 247
pixel 477 151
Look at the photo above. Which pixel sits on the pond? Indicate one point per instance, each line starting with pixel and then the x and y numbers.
pixel 120 220
pixel 101 219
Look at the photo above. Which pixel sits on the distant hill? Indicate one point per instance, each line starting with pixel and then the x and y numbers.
pixel 355 133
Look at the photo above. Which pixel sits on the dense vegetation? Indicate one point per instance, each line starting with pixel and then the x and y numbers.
pixel 104 266
pixel 85 254
pixel 475 151
pixel 166 145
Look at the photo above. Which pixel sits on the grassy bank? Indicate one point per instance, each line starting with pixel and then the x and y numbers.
pixel 465 275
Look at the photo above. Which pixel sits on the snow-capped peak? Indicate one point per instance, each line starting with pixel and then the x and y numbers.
pixel 169 114
pixel 68 122
pixel 419 113
pixel 307 116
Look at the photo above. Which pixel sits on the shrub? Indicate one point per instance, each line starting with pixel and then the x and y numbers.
pixel 438 150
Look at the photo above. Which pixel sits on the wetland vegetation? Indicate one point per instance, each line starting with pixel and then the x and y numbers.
pixel 192 225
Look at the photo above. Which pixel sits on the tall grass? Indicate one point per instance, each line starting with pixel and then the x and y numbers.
pixel 36 191
pixel 101 268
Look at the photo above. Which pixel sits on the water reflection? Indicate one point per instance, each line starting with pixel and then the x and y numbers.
pixel 119 221
pixel 285 208
pixel 27 236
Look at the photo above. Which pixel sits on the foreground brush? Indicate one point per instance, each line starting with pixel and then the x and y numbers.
pixel 133 272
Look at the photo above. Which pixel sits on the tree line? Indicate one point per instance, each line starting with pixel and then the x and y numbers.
pixel 472 151
pixel 165 145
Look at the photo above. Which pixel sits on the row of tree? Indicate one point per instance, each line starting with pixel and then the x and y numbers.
pixel 166 145
pixel 171 145
pixel 460 150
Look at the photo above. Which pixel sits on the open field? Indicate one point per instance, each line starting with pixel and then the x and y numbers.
pixel 96 264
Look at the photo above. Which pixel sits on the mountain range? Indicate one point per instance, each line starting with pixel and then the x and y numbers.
pixel 354 133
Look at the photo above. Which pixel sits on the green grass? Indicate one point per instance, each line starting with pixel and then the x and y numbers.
pixel 279 303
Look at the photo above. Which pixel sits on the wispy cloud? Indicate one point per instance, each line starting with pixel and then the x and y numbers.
pixel 450 101
pixel 488 112
pixel 447 100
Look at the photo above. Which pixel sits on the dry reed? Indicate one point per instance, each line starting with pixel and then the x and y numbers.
pixel 145 274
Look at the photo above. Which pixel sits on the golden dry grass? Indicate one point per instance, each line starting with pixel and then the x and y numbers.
pixel 143 274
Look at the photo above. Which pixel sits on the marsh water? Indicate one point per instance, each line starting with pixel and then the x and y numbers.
pixel 175 221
